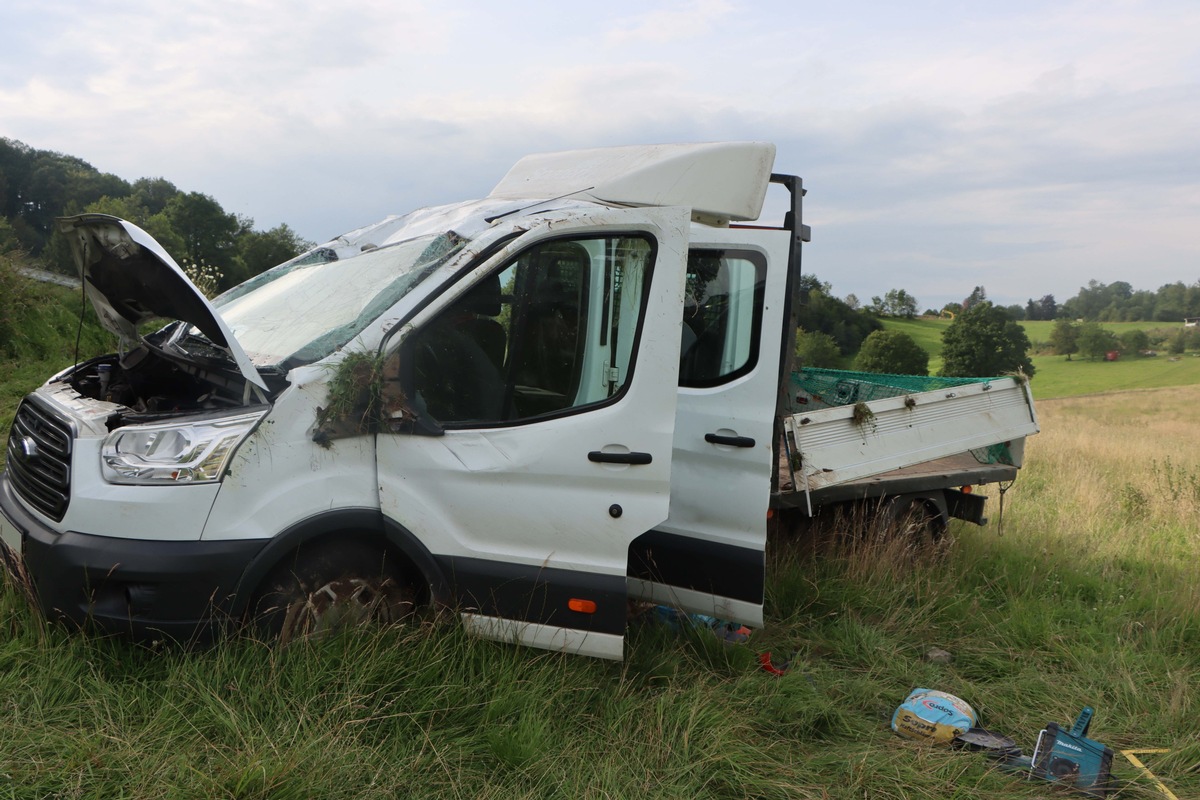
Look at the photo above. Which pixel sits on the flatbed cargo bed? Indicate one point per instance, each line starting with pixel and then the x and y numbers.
pixel 856 435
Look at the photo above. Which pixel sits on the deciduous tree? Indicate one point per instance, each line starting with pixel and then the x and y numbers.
pixel 896 303
pixel 1064 338
pixel 821 311
pixel 983 341
pixel 1094 341
pixel 209 233
pixel 261 250
pixel 892 352
pixel 977 296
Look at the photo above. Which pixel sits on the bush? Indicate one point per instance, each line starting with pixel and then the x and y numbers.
pixel 10 292
pixel 1134 342
pixel 816 349
pixel 892 352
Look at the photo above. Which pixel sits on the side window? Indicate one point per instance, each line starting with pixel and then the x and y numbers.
pixel 552 331
pixel 722 316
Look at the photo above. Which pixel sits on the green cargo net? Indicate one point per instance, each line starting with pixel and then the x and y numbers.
pixel 995 454
pixel 814 388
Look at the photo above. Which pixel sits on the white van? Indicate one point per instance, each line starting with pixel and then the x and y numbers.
pixel 531 408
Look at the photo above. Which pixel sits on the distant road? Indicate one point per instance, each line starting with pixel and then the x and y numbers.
pixel 49 277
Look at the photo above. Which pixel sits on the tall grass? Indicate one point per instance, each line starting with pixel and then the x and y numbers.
pixel 1088 594
pixel 40 334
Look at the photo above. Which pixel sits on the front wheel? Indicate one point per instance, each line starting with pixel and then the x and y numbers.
pixel 333 585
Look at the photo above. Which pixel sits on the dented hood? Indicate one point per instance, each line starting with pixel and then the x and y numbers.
pixel 130 278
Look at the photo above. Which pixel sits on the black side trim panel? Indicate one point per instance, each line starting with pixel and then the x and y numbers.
pixel 720 569
pixel 536 594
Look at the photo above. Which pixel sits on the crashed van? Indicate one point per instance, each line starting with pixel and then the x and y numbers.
pixel 530 408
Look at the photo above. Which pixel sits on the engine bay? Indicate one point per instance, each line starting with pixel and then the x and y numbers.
pixel 150 385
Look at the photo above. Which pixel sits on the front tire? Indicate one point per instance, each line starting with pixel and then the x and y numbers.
pixel 332 585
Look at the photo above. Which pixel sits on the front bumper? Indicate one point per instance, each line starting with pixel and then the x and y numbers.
pixel 148 589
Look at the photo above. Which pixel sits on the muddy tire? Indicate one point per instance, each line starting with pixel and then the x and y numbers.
pixel 331 586
pixel 910 521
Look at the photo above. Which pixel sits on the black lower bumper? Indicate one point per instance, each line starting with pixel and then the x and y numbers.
pixel 148 589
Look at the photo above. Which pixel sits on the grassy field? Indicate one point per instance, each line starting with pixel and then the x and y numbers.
pixel 1088 595
pixel 39 330
pixel 1057 377
pixel 1084 590
pixel 1038 331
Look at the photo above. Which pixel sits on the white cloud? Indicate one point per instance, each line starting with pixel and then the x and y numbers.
pixel 1046 143
pixel 680 20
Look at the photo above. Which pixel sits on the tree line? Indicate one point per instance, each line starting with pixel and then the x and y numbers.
pixel 1111 302
pixel 38 185
pixel 983 340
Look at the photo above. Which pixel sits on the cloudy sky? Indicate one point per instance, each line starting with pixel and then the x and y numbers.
pixel 1024 146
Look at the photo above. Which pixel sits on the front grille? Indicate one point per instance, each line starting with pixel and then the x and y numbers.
pixel 39 459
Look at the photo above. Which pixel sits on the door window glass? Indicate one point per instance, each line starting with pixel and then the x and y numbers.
pixel 722 316
pixel 551 331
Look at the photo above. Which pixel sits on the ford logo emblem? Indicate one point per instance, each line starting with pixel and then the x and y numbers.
pixel 29 448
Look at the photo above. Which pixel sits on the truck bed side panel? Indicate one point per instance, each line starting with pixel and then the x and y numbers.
pixel 846 443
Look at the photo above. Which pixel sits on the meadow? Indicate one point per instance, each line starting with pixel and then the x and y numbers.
pixel 1083 590
pixel 1055 376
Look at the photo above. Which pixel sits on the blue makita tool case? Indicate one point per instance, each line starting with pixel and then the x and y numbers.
pixel 1072 758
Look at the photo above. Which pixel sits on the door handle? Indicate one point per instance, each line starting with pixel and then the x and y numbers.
pixel 732 441
pixel 619 458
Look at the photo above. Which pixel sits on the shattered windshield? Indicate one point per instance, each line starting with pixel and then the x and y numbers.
pixel 302 311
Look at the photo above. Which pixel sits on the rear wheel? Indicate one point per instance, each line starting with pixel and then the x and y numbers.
pixel 333 585
pixel 911 521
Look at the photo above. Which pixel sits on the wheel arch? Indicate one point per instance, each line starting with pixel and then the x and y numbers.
pixel 365 523
pixel 933 502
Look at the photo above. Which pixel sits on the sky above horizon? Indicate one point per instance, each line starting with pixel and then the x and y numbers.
pixel 1025 147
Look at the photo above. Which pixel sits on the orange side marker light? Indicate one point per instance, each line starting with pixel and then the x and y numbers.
pixel 582 606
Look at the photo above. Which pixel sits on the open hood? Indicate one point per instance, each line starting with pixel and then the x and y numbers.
pixel 130 278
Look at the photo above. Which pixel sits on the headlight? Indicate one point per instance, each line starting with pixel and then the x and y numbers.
pixel 172 453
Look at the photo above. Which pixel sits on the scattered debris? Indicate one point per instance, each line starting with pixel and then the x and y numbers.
pixel 933 716
pixel 862 416
pixel 994 744
pixel 936 655
pixel 1066 757
pixel 774 669
pixel 1132 756
pixel 360 399
pixel 678 621
pixel 1073 759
